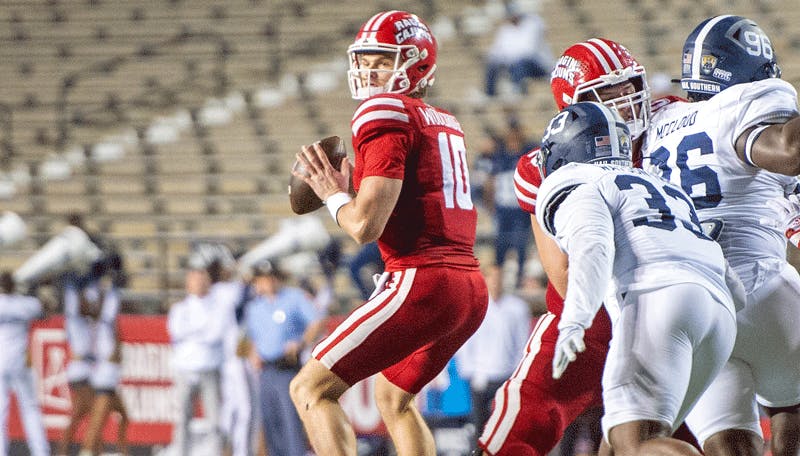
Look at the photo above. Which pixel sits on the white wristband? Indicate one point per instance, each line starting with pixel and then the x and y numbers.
pixel 335 202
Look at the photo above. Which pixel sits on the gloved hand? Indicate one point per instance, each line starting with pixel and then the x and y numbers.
pixel 569 344
pixel 787 217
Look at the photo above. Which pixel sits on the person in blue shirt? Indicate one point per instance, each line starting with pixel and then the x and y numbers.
pixel 280 321
pixel 512 224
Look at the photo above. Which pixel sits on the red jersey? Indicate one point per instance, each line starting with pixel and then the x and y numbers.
pixel 527 180
pixel 434 220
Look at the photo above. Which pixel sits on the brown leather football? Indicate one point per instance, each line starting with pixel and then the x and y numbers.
pixel 301 195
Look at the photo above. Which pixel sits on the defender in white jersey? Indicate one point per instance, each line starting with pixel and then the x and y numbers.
pixel 735 147
pixel 638 233
pixel 16 313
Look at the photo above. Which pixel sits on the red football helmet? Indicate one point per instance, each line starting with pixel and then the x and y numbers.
pixel 413 45
pixel 587 66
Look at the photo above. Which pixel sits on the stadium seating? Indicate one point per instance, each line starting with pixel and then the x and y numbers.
pixel 169 121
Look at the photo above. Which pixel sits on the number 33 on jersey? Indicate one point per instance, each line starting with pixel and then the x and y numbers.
pixel 647 214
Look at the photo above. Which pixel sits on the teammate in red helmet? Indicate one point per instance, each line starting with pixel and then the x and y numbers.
pixel 532 409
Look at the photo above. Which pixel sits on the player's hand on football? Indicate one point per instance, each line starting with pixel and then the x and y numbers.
pixel 787 217
pixel 318 172
pixel 569 344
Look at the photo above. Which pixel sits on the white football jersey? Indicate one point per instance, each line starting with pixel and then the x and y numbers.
pixel 16 314
pixel 692 145
pixel 647 224
pixel 77 326
pixel 89 338
pixel 105 335
pixel 225 296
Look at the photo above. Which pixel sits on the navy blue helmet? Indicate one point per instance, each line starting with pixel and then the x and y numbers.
pixel 723 51
pixel 585 132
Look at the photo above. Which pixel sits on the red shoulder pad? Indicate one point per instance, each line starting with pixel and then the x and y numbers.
pixel 659 103
pixel 527 180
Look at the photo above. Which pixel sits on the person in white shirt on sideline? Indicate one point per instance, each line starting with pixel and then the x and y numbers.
pixel 489 357
pixel 519 47
pixel 196 328
pixel 16 313
pixel 228 293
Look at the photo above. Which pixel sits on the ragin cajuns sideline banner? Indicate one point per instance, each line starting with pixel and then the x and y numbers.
pixel 145 387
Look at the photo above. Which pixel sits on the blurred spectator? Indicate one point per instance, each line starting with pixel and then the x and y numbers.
pixel 512 224
pixel 16 313
pixel 534 286
pixel 489 357
pixel 519 47
pixel 661 86
pixel 281 322
pixel 366 262
pixel 197 327
pixel 329 258
pixel 12 228
pixel 100 302
pixel 481 168
pixel 321 290
pixel 89 270
pixel 228 294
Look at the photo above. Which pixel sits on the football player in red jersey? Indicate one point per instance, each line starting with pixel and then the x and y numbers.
pixel 532 409
pixel 413 197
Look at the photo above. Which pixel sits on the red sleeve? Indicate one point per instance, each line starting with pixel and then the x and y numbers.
pixel 527 180
pixel 659 103
pixel 382 137
pixel 385 155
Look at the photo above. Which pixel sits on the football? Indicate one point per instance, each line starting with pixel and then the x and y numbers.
pixel 302 198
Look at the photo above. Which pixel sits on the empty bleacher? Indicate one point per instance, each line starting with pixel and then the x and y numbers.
pixel 239 85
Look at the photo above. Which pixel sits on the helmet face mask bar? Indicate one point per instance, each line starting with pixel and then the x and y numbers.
pixel 636 103
pixel 360 79
pixel 403 36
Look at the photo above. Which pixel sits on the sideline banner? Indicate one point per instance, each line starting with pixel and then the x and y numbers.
pixel 145 385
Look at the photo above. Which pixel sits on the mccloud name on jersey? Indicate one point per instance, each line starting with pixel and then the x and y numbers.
pixel 667 128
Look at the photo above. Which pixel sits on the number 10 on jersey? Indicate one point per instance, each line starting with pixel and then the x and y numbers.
pixel 455 175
